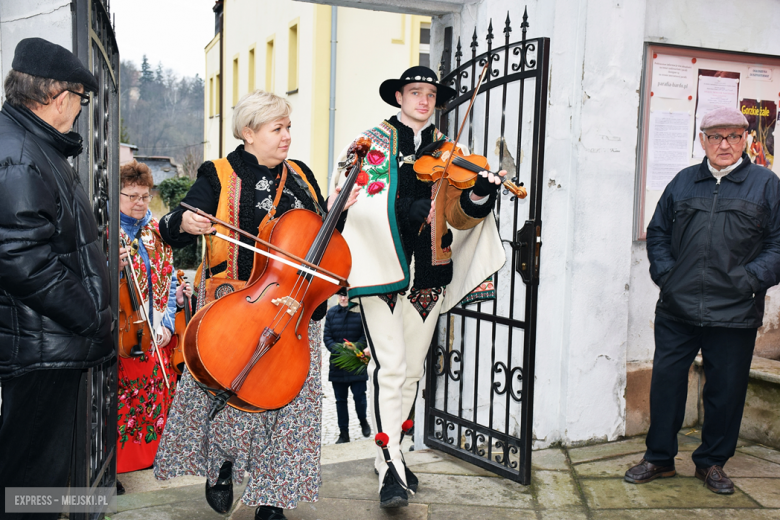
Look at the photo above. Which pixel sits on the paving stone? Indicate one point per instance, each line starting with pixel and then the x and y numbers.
pixel 741 465
pixel 677 492
pixel 191 510
pixel 617 467
pixel 765 491
pixel 473 491
pixel 564 515
pixel 352 480
pixel 551 458
pixel 609 449
pixel 190 494
pixel 341 509
pixel 556 490
pixel 450 512
pixel 687 514
pixel 762 452
pixel 451 467
pixel 141 481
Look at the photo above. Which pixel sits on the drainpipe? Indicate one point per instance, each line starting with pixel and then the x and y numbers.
pixel 332 108
pixel 221 73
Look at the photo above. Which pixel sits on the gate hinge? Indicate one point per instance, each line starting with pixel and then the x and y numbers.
pixel 528 241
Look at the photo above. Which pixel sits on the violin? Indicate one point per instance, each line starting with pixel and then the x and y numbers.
pixel 446 160
pixel 250 348
pixel 134 335
pixel 182 320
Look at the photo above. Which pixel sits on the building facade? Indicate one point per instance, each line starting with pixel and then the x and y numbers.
pixel 596 299
pixel 286 47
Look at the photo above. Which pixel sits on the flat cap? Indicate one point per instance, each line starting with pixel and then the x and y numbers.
pixel 723 117
pixel 45 59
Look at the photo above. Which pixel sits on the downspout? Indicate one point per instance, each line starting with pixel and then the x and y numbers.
pixel 332 107
pixel 221 72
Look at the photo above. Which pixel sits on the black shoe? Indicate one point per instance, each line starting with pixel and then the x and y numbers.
pixel 269 513
pixel 120 489
pixel 646 471
pixel 392 493
pixel 411 479
pixel 220 496
pixel 715 479
pixel 365 428
pixel 343 437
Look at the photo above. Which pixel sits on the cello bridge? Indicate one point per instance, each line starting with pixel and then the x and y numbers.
pixel 288 301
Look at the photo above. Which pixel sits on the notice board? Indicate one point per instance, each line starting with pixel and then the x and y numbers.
pixel 679 86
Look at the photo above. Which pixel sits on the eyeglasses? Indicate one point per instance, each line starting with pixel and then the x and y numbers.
pixel 84 97
pixel 136 198
pixel 716 139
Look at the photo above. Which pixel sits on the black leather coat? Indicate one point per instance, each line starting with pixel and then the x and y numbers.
pixel 54 283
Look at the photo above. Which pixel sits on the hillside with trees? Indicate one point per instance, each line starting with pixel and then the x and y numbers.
pixel 162 114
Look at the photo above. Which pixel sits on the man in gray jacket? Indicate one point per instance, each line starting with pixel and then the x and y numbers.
pixel 55 319
pixel 714 250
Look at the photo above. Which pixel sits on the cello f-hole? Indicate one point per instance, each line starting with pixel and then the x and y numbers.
pixel 262 293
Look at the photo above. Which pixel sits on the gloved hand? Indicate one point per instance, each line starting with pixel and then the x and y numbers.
pixel 483 187
pixel 419 210
pixel 446 239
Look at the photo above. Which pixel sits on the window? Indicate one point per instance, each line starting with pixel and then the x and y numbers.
pixel 269 66
pixel 292 61
pixel 217 100
pixel 235 81
pixel 211 96
pixel 251 71
pixel 425 45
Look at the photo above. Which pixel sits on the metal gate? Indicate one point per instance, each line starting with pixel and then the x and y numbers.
pixel 480 375
pixel 94 457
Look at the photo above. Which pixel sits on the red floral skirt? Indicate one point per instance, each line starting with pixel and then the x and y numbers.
pixel 142 408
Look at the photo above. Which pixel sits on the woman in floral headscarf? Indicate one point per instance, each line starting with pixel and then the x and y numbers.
pixel 144 396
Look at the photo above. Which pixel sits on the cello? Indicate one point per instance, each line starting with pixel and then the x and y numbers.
pixel 250 348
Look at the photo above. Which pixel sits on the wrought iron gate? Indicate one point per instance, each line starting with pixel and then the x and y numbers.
pixel 480 376
pixel 94 457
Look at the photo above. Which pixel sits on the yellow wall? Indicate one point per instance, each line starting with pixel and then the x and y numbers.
pixel 372 46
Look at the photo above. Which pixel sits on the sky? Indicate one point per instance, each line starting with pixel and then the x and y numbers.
pixel 174 32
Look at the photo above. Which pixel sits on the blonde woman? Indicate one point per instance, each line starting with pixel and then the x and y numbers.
pixel 280 449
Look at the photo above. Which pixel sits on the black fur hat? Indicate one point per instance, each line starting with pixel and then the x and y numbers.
pixel 39 57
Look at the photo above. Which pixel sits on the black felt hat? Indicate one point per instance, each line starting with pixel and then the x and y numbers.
pixel 418 74
pixel 45 59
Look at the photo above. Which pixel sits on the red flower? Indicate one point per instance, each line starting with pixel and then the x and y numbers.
pixel 375 187
pixel 362 178
pixel 131 423
pixel 154 277
pixel 375 157
pixel 158 424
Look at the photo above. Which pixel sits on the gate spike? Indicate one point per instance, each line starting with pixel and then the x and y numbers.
pixel 507 26
pixel 474 43
pixel 524 25
pixel 489 37
pixel 458 52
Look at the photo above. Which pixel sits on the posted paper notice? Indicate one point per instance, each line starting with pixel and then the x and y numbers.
pixel 667 147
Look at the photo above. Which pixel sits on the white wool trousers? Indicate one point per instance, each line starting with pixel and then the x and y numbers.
pixel 399 340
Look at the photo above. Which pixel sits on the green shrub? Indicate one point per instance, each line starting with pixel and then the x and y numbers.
pixel 172 191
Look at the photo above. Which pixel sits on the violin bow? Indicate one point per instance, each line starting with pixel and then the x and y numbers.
pixel 302 264
pixel 460 131
pixel 145 314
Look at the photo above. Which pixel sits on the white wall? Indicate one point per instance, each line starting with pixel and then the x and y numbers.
pixel 597 301
pixel 19 19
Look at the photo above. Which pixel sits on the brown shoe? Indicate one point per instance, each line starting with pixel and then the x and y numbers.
pixel 646 471
pixel 715 479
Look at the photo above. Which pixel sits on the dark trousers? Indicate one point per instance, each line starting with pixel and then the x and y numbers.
pixel 36 431
pixel 727 354
pixel 341 390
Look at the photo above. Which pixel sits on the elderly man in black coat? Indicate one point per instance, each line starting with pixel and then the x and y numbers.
pixel 714 250
pixel 55 319
pixel 342 324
